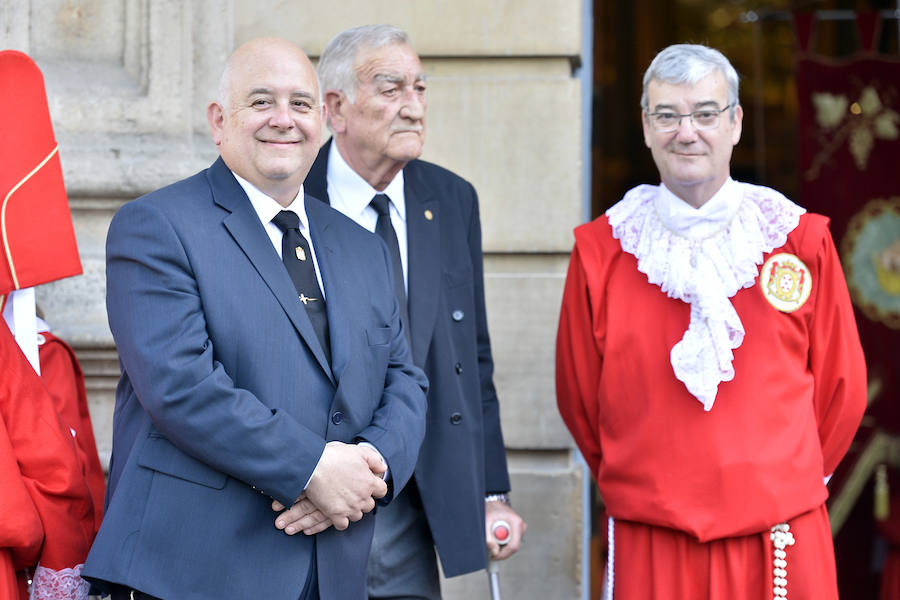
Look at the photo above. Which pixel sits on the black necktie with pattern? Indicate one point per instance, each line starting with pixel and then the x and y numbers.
pixel 382 205
pixel 298 261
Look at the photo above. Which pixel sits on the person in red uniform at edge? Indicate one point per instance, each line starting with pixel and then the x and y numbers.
pixel 51 481
pixel 61 374
pixel 47 518
pixel 708 362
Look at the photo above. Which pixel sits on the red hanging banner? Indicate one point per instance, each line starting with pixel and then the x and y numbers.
pixel 849 170
pixel 803 27
pixel 868 27
pixel 849 141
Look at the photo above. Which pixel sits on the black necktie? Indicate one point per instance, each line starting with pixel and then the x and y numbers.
pixel 298 261
pixel 382 205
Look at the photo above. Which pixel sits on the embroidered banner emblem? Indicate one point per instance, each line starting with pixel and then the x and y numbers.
pixel 786 282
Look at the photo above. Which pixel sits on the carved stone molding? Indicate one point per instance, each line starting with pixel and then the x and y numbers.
pixel 127 84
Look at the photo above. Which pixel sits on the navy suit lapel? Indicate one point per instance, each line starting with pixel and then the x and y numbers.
pixel 424 259
pixel 244 226
pixel 316 184
pixel 338 286
pixel 423 248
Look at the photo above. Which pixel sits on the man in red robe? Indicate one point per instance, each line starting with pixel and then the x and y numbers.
pixel 51 485
pixel 47 516
pixel 63 378
pixel 708 363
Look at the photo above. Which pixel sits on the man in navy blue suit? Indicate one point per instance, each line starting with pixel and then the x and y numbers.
pixel 263 366
pixel 374 90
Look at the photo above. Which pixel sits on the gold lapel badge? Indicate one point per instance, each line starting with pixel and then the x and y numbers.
pixel 429 215
pixel 301 253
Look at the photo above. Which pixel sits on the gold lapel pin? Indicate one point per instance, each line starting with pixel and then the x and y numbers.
pixel 429 215
pixel 301 254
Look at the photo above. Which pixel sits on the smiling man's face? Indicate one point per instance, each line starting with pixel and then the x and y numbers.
pixel 270 130
pixel 693 164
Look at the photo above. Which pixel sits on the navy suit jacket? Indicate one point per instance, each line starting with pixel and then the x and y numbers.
pixel 226 399
pixel 463 455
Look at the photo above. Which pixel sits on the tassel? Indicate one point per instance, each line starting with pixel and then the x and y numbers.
pixel 882 494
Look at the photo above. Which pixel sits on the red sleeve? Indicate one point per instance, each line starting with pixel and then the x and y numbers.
pixel 21 533
pixel 63 378
pixel 835 355
pixel 45 458
pixel 9 582
pixel 579 356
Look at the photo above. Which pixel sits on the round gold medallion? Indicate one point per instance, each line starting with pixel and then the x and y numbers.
pixel 786 282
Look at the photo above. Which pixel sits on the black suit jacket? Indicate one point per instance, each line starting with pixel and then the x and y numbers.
pixel 463 456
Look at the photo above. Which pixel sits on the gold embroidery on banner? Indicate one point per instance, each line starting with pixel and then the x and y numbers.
pixel 856 123
pixel 887 268
pixel 9 257
pixel 870 256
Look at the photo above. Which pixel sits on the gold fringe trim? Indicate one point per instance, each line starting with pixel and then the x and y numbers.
pixel 883 448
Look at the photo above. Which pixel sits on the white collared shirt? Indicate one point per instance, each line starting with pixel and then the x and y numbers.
pixel 351 194
pixel 699 223
pixel 266 208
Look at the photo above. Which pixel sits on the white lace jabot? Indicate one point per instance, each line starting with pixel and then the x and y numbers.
pixel 703 257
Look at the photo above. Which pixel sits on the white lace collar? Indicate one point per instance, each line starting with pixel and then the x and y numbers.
pixel 703 257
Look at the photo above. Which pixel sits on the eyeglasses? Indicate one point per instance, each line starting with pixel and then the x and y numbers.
pixel 665 121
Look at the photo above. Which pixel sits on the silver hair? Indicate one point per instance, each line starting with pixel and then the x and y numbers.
pixel 687 64
pixel 335 68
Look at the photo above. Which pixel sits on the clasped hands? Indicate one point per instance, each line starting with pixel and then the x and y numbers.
pixel 343 487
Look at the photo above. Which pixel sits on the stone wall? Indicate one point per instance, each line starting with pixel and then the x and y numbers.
pixel 128 82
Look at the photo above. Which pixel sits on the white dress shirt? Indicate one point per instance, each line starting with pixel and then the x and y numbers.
pixel 266 208
pixel 351 194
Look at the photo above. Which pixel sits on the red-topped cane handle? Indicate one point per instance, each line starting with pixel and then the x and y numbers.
pixel 501 532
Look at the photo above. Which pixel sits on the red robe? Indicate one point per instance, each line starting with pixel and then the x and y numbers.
pixel 695 493
pixel 63 378
pixel 46 510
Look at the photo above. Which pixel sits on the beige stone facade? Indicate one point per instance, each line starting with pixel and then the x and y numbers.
pixel 128 82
